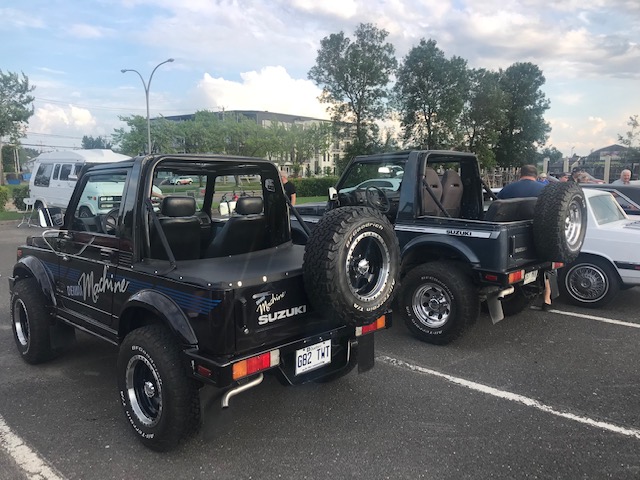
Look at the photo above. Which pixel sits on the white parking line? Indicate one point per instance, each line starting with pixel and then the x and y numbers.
pixel 514 397
pixel 28 460
pixel 599 319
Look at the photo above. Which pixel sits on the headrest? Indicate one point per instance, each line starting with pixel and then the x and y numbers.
pixel 249 205
pixel 431 176
pixel 176 206
pixel 450 177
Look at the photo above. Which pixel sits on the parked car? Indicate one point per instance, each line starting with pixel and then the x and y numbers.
pixel 609 259
pixel 628 196
pixel 181 181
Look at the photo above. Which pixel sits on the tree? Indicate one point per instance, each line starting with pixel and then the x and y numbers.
pixel 91 143
pixel 354 76
pixel 631 139
pixel 525 128
pixel 552 153
pixel 431 92
pixel 16 107
pixel 483 115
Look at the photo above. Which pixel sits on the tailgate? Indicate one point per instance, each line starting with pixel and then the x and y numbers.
pixel 276 312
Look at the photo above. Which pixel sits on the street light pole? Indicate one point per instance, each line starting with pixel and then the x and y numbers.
pixel 146 86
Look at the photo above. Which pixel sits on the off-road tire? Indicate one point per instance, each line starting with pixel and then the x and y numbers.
pixel 560 222
pixel 590 282
pixel 159 400
pixel 518 301
pixel 31 321
pixel 351 264
pixel 438 302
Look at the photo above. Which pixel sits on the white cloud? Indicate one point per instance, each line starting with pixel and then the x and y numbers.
pixel 271 88
pixel 80 30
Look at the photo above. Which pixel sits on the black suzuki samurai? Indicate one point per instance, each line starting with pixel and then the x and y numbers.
pixel 455 253
pixel 192 298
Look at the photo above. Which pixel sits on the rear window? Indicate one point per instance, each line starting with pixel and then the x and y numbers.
pixel 43 175
pixel 606 209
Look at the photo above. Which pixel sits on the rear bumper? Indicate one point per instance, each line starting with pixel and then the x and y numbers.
pixel 347 348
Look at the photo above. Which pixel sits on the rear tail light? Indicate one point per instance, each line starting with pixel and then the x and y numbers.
pixel 555 265
pixel 515 277
pixel 256 364
pixel 379 324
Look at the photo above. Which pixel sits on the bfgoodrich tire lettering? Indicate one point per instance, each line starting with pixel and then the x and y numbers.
pixel 438 301
pixel 560 222
pixel 160 402
pixel 351 264
pixel 30 320
pixel 589 282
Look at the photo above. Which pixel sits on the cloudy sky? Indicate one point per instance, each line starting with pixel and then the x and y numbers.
pixel 255 54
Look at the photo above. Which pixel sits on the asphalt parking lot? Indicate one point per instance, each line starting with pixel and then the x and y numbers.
pixel 540 395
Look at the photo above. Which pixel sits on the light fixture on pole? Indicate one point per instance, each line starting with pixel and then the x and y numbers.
pixel 147 85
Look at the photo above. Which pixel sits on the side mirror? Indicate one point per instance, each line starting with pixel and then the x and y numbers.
pixel 333 193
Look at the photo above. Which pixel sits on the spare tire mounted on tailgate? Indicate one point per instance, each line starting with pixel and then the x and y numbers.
pixel 560 222
pixel 351 264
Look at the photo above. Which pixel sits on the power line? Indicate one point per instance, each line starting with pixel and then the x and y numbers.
pixel 96 107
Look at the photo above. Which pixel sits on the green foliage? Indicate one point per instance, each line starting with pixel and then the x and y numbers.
pixel 314 186
pixel 15 104
pixel 483 116
pixel 631 138
pixel 430 92
pixel 354 76
pixel 4 198
pixel 90 143
pixel 525 127
pixel 19 193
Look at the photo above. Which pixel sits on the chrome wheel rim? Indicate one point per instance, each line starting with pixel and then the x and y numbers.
pixel 431 305
pixel 573 226
pixel 587 283
pixel 21 322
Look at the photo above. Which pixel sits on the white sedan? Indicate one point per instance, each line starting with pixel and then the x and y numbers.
pixel 609 259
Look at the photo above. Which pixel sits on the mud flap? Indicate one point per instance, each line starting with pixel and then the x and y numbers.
pixel 366 349
pixel 495 308
pixel 552 277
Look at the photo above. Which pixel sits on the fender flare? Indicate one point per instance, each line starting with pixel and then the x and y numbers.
pixel 32 266
pixel 164 308
pixel 448 242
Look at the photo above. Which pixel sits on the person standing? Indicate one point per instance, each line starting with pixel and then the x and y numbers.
pixel 289 188
pixel 528 186
pixel 564 177
pixel 625 178
pixel 542 178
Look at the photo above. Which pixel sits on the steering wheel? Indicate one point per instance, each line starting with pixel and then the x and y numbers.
pixel 110 221
pixel 377 199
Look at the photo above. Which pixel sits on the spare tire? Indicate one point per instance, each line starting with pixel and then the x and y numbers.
pixel 351 264
pixel 560 222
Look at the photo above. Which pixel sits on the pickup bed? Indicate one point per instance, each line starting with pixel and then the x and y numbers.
pixel 454 254
pixel 195 299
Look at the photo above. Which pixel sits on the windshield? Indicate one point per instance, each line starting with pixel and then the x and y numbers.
pixel 383 174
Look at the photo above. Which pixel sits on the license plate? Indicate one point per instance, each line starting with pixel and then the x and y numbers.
pixel 530 277
pixel 312 357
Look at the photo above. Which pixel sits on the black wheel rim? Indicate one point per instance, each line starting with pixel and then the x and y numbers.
pixel 368 266
pixel 144 390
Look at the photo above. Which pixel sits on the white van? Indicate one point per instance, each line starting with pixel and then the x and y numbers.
pixel 54 178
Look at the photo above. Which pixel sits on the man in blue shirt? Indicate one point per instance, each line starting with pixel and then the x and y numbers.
pixel 527 186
